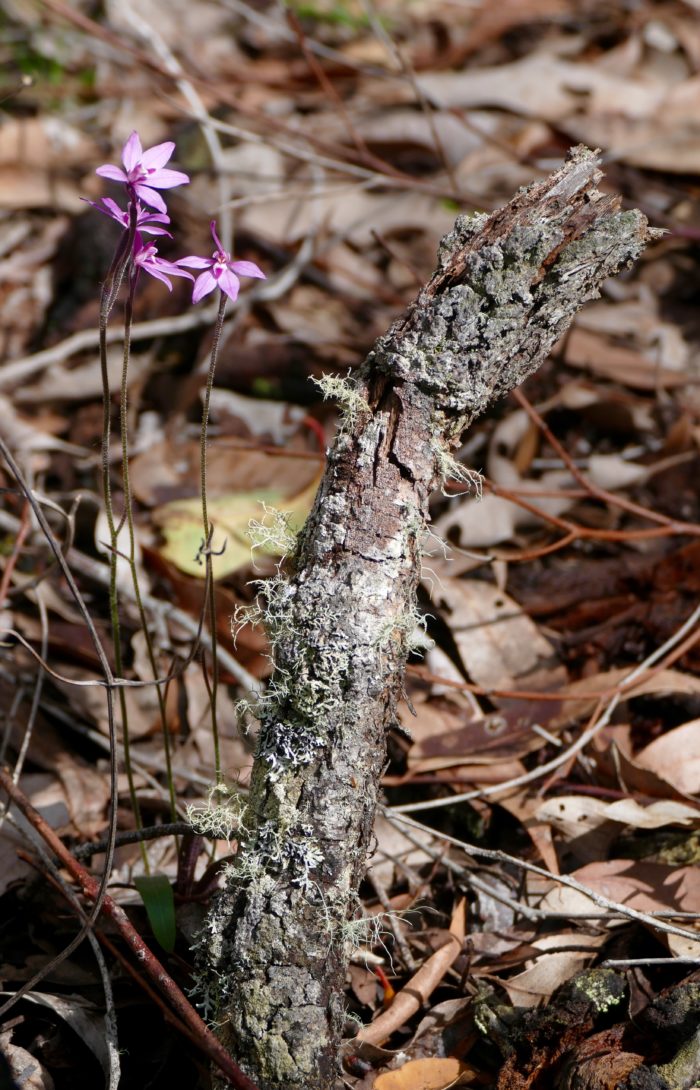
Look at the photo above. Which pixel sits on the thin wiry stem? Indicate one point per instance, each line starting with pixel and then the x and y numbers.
pixel 109 679
pixel 208 530
pixel 110 289
pixel 129 516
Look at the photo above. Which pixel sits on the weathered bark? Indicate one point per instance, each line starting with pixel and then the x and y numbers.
pixel 506 287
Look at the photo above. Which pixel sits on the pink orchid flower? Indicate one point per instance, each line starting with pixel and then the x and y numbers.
pixel 145 219
pixel 143 171
pixel 145 257
pixel 221 271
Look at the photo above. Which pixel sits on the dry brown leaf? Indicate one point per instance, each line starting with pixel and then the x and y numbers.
pixel 647 887
pixel 655 144
pixel 591 688
pixel 446 734
pixel 391 844
pixel 351 214
pixel 48 796
pixel 84 1018
pixel 43 143
pixel 500 646
pixel 523 807
pixel 576 814
pixel 543 86
pixel 35 156
pixel 675 756
pixel 627 366
pixel 61 382
pixel 451 1020
pixel 25 1067
pixel 170 471
pixel 547 973
pixel 428 1074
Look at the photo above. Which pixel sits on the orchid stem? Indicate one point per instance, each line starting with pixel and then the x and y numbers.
pixel 129 516
pixel 208 530
pixel 110 290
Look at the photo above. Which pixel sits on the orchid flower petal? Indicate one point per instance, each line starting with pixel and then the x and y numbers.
pixel 114 210
pixel 167 179
pixel 171 268
pixel 114 173
pixel 155 272
pixel 247 268
pixel 150 197
pixel 132 151
pixel 195 262
pixel 217 240
pixel 203 285
pixel 229 283
pixel 156 157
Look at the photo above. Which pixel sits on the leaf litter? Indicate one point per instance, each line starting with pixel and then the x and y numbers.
pixel 541 598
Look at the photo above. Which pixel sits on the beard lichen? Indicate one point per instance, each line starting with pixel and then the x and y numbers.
pixel 347 393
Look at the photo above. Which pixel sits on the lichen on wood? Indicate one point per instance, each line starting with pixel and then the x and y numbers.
pixel 274 949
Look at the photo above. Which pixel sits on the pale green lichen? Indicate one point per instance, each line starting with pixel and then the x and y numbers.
pixel 410 627
pixel 362 931
pixel 601 988
pixel 308 690
pixel 345 392
pixel 684 1069
pixel 449 469
pixel 223 820
pixel 274 533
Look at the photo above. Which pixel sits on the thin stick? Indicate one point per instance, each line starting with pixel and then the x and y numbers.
pixel 52 874
pixel 592 489
pixel 560 879
pixel 595 726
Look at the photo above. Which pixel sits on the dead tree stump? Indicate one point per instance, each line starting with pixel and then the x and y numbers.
pixel 506 288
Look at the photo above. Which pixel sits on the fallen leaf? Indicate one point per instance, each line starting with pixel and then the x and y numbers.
pixel 591 689
pixel 84 1018
pixel 421 985
pixel 170 471
pixel 575 814
pixel 628 366
pixel 543 86
pixel 500 646
pixel 675 756
pixel 547 973
pixel 231 516
pixel 391 844
pixel 428 1074
pixel 25 1067
pixel 647 887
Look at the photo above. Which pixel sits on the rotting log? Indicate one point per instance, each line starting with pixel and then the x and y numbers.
pixel 506 288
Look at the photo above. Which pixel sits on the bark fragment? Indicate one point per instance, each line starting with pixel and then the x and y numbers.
pixel 506 287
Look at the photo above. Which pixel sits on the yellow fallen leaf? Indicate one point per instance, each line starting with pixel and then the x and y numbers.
pixel 429 1074
pixel 230 515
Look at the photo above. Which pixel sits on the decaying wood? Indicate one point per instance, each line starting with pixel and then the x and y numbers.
pixel 506 288
pixel 555 1047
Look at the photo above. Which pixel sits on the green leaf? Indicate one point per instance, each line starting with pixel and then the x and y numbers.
pixel 157 896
